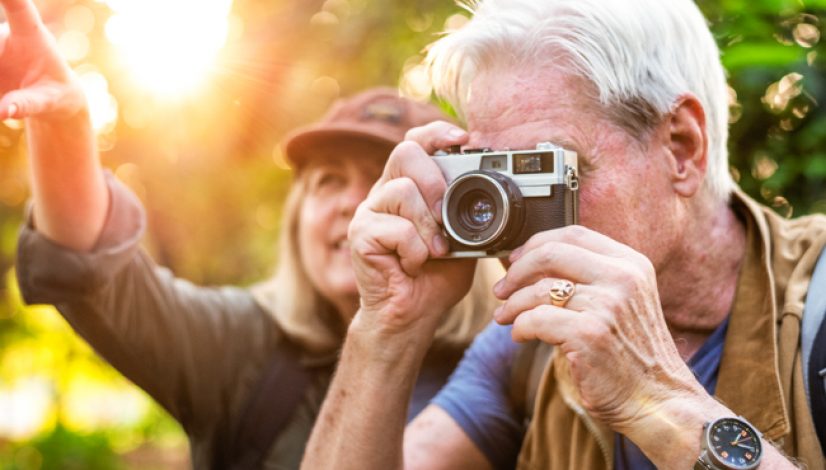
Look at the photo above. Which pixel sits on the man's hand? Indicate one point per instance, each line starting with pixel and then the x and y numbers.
pixel 612 331
pixel 623 361
pixel 394 235
pixel 35 81
pixel 404 292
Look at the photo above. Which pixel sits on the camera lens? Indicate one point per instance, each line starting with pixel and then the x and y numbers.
pixel 477 210
pixel 482 209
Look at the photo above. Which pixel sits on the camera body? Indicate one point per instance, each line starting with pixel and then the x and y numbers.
pixel 496 200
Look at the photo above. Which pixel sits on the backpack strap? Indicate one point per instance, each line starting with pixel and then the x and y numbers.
pixel 813 348
pixel 270 405
pixel 526 372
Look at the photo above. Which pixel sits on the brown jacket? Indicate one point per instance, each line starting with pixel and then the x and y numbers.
pixel 760 374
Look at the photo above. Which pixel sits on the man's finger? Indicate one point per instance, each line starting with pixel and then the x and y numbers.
pixel 389 234
pixel 535 295
pixel 401 196
pixel 409 160
pixel 574 235
pixel 549 324
pixel 437 135
pixel 21 15
pixel 555 260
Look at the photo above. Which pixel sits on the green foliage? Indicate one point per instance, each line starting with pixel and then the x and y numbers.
pixel 63 449
pixel 773 52
pixel 212 177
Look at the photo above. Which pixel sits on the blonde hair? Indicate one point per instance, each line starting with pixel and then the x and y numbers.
pixel 309 320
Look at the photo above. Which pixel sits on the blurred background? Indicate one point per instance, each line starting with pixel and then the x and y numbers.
pixel 190 99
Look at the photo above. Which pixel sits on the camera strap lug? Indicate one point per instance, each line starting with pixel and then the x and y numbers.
pixel 571 179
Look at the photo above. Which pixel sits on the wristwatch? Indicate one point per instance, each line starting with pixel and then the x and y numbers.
pixel 729 443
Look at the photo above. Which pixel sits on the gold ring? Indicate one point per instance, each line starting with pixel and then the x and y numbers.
pixel 561 292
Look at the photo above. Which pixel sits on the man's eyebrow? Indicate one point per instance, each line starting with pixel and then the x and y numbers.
pixel 565 143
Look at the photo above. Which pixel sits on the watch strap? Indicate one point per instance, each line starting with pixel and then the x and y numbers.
pixel 702 464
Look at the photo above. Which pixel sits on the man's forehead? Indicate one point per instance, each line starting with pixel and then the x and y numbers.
pixel 525 137
pixel 518 111
pixel 523 130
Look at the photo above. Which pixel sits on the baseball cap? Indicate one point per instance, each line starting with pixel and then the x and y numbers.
pixel 377 114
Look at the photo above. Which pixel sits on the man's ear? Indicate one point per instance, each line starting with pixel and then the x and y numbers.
pixel 687 144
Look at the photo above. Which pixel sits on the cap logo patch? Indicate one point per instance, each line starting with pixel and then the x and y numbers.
pixel 386 112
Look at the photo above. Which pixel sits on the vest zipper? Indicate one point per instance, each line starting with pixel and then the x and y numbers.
pixel 592 428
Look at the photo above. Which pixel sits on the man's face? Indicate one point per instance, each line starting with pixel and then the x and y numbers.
pixel 625 189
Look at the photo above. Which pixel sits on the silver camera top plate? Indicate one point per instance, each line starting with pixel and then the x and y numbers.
pixel 533 171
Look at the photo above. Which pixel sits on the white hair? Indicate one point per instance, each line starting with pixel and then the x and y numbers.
pixel 640 55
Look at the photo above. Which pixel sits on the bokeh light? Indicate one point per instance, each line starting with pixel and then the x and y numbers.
pixel 415 81
pixel 807 35
pixel 324 18
pixel 326 87
pixel 74 45
pixel 764 167
pixel 279 158
pixel 91 402
pixel 169 46
pixel 456 22
pixel 103 108
pixel 79 18
pixel 213 160
pixel 24 407
pixel 735 108
pixel 807 32
pixel 779 94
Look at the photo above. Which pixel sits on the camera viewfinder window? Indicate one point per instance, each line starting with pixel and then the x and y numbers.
pixel 495 162
pixel 533 163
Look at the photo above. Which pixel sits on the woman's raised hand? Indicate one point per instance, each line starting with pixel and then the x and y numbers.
pixel 35 81
pixel 36 84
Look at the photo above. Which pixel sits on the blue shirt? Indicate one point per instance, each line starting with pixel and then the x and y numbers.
pixel 477 397
pixel 705 363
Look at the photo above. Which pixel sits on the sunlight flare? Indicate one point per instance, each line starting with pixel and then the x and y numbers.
pixel 170 46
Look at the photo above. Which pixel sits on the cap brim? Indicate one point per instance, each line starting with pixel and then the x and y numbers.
pixel 299 145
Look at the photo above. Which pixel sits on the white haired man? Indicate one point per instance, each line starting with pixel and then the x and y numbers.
pixel 688 294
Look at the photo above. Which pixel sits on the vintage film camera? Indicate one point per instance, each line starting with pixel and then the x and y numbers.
pixel 495 200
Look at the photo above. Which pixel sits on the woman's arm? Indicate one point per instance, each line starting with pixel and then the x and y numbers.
pixel 190 347
pixel 70 198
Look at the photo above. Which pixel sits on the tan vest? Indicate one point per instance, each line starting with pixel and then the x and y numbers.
pixel 760 374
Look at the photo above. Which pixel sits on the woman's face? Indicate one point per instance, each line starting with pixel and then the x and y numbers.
pixel 338 179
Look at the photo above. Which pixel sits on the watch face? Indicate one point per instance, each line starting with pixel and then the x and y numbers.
pixel 734 443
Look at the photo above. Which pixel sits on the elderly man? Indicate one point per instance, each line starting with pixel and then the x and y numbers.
pixel 688 294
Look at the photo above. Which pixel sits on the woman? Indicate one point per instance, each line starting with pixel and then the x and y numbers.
pixel 244 371
pixel 336 163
